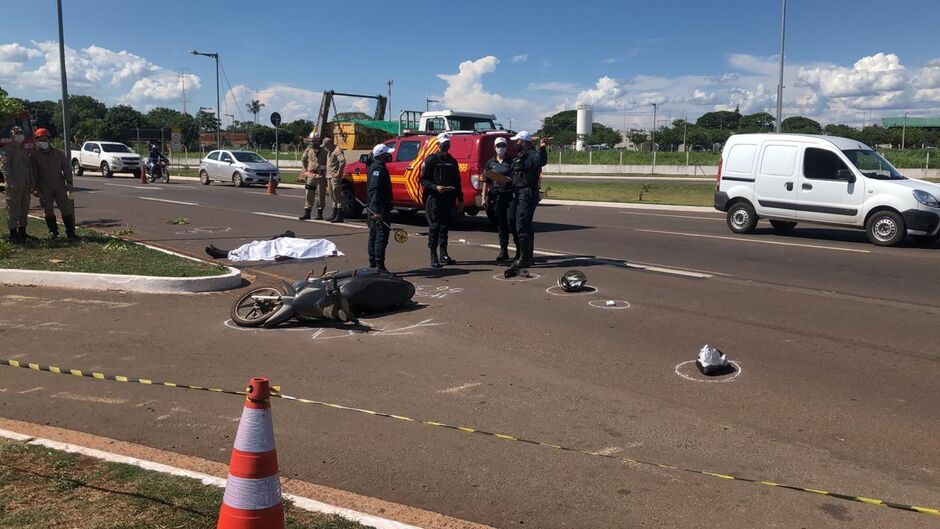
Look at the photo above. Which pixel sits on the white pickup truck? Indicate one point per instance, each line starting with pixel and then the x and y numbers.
pixel 106 156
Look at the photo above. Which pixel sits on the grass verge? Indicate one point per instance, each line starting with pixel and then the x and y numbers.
pixel 42 488
pixel 654 193
pixel 96 253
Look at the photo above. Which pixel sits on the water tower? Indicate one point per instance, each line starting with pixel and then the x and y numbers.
pixel 585 124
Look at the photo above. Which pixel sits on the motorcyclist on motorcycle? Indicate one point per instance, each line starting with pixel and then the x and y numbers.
pixel 154 160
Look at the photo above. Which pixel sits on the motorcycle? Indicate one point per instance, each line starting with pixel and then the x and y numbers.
pixel 158 171
pixel 336 296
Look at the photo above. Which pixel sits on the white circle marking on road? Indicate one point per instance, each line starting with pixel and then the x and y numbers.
pixel 737 372
pixel 501 277
pixel 619 304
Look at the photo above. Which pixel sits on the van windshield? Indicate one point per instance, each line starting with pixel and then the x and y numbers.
pixel 873 165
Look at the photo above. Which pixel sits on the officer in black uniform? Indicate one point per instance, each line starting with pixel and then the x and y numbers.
pixel 499 198
pixel 526 170
pixel 442 193
pixel 379 189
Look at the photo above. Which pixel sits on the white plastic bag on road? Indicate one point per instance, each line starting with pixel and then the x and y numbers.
pixel 711 360
pixel 291 247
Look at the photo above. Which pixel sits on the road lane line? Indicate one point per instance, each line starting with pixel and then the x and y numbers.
pixel 147 187
pixel 671 216
pixel 279 194
pixel 180 202
pixel 740 239
pixel 458 389
pixel 328 223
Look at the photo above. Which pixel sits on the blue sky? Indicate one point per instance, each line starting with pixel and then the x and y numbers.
pixel 847 60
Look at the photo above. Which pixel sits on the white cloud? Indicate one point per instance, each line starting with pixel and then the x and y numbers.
pixel 292 103
pixel 868 76
pixel 117 76
pixel 522 57
pixel 465 90
pixel 607 93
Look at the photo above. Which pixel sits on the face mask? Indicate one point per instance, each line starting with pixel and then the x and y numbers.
pixel 42 144
pixel 18 138
pixel 445 146
pixel 500 149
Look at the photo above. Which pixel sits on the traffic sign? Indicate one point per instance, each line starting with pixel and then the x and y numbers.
pixel 176 139
pixel 275 119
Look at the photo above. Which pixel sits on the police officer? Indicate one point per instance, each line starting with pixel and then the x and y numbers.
pixel 526 170
pixel 499 198
pixel 54 183
pixel 379 189
pixel 442 193
pixel 314 179
pixel 335 163
pixel 17 171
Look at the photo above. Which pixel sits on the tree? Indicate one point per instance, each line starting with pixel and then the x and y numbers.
pixel 299 128
pixel 121 121
pixel 10 107
pixel 562 127
pixel 604 135
pixel 759 122
pixel 843 131
pixel 637 137
pixel 801 125
pixel 349 116
pixel 255 106
pixel 207 121
pixel 721 119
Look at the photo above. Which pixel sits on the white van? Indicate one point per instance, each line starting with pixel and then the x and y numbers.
pixel 790 178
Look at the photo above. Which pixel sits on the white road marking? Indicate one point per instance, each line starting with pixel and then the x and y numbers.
pixel 144 186
pixel 458 389
pixel 279 194
pixel 670 216
pixel 83 398
pixel 682 365
pixel 664 270
pixel 328 223
pixel 38 388
pixel 742 239
pixel 180 202
pixel 609 451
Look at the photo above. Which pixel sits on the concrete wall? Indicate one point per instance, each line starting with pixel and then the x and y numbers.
pixel 682 170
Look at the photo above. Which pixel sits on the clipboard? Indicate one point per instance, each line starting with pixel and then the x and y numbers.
pixel 497 178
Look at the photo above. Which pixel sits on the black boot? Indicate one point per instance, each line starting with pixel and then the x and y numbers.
pixel 15 236
pixel 503 255
pixel 216 253
pixel 380 264
pixel 25 237
pixel 522 257
pixel 527 255
pixel 446 259
pixel 306 215
pixel 319 214
pixel 53 227
pixel 338 217
pixel 333 215
pixel 371 262
pixel 435 263
pixel 70 227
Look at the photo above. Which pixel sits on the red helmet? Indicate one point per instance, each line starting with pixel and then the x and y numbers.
pixel 40 133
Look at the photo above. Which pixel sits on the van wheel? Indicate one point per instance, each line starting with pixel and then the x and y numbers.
pixel 203 178
pixel 77 168
pixel 782 226
pixel 885 228
pixel 742 218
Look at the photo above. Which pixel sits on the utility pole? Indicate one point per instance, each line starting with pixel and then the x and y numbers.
pixel 653 139
pixel 783 33
pixel 183 86
pixel 685 143
pixel 218 98
pixel 904 130
pixel 65 83
pixel 390 83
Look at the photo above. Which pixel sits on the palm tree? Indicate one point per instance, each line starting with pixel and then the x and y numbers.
pixel 255 107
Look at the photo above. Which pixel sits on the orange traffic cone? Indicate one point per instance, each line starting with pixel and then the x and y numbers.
pixel 272 189
pixel 252 497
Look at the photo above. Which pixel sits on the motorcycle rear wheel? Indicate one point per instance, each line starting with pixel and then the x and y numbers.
pixel 249 311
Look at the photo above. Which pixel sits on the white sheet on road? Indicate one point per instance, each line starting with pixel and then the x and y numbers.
pixel 284 247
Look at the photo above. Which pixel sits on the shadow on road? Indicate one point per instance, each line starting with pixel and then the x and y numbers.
pixel 839 235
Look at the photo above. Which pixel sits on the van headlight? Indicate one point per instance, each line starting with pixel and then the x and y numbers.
pixel 926 198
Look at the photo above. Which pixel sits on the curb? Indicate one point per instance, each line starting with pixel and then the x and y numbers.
pixel 432 520
pixel 127 283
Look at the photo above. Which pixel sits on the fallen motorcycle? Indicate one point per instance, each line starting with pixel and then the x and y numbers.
pixel 337 296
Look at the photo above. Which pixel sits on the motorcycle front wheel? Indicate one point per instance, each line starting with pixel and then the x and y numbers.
pixel 166 174
pixel 255 307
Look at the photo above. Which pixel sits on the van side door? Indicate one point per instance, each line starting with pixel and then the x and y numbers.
pixel 775 190
pixel 829 191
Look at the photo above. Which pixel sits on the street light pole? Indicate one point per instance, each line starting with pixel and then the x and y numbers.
pixel 783 33
pixel 65 83
pixel 390 83
pixel 904 130
pixel 218 98
pixel 653 139
pixel 427 103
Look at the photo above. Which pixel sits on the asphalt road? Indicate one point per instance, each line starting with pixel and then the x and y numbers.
pixel 834 338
